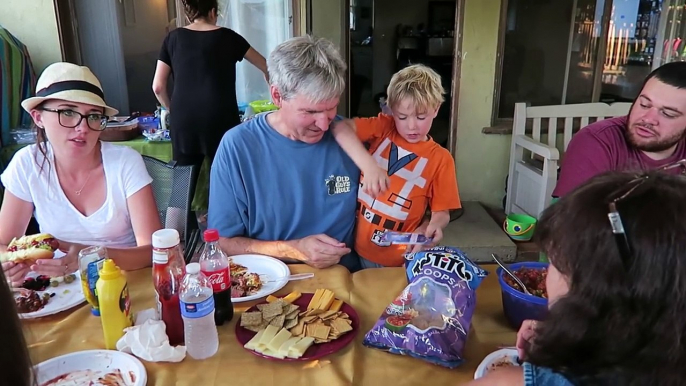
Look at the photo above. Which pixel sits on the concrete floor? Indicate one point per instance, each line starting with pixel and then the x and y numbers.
pixel 478 235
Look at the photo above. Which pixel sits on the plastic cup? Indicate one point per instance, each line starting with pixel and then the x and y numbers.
pixel 90 263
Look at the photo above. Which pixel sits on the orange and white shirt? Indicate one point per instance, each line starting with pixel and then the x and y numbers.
pixel 421 175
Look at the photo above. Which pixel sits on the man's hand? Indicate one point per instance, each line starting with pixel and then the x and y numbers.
pixel 320 251
pixel 375 181
pixel 525 336
pixel 15 272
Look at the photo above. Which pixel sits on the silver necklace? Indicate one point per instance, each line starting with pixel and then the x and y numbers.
pixel 78 192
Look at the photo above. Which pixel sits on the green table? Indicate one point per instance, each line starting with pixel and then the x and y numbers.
pixel 159 150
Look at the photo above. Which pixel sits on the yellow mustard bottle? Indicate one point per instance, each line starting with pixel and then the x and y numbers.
pixel 115 306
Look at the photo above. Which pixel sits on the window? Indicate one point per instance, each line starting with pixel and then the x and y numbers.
pixel 579 51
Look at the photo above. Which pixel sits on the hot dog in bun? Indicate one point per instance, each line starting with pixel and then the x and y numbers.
pixel 31 248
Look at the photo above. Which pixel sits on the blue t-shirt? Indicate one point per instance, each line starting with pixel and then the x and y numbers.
pixel 267 187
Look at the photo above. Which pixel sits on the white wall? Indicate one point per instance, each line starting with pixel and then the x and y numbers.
pixel 482 159
pixel 34 23
pixel 141 43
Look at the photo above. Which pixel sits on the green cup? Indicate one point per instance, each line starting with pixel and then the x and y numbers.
pixel 520 227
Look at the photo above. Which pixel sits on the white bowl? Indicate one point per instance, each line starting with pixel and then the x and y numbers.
pixel 505 355
pixel 90 365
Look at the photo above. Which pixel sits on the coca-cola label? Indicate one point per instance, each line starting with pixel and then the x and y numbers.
pixel 219 280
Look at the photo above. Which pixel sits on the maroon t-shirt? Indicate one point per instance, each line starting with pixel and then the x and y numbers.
pixel 601 147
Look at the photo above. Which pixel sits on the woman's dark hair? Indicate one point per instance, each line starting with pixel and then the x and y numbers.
pixel 41 143
pixel 196 9
pixel 623 321
pixel 14 356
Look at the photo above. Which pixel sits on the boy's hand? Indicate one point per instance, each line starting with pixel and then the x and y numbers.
pixel 375 181
pixel 433 231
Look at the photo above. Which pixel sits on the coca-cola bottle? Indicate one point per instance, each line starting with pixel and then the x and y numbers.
pixel 215 265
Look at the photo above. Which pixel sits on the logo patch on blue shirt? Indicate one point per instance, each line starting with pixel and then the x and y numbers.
pixel 337 184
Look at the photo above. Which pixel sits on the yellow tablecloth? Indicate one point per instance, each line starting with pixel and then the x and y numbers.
pixel 368 291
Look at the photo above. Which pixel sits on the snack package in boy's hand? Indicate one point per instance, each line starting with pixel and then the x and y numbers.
pixel 430 319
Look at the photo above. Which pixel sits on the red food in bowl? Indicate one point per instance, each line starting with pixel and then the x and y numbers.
pixel 533 279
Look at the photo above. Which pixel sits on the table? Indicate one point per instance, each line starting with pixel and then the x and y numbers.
pixel 368 291
pixel 159 150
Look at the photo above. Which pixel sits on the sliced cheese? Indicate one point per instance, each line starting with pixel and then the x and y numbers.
pixel 272 354
pixel 280 338
pixel 298 349
pixel 269 334
pixel 326 300
pixel 293 296
pixel 336 305
pixel 315 299
pixel 283 350
pixel 271 298
pixel 252 343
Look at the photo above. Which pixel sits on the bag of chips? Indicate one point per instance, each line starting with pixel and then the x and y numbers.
pixel 430 319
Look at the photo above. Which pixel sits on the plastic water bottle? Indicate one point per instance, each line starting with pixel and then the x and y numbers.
pixel 197 310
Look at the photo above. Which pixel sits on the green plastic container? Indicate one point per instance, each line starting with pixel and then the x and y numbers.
pixel 520 227
pixel 262 105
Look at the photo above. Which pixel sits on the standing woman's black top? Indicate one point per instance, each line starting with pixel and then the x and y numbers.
pixel 203 101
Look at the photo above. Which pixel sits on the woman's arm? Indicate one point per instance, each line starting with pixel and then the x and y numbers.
pixel 145 222
pixel 159 84
pixel 15 215
pixel 257 60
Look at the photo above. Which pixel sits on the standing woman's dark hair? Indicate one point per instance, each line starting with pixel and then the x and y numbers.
pixel 623 321
pixel 14 356
pixel 195 9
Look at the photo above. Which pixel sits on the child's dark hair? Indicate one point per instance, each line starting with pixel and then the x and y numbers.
pixel 622 321
pixel 196 9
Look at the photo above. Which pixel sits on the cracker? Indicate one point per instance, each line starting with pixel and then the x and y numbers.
pixel 329 315
pixel 292 308
pixel 292 315
pixel 299 328
pixel 320 332
pixel 251 318
pixel 290 323
pixel 278 321
pixel 341 326
pixel 272 309
pixel 309 319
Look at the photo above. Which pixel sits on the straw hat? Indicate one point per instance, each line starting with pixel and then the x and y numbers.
pixel 69 82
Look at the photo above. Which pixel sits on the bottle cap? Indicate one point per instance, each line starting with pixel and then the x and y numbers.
pixel 109 270
pixel 165 238
pixel 211 235
pixel 193 268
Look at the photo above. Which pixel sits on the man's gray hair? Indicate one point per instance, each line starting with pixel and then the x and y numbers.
pixel 308 66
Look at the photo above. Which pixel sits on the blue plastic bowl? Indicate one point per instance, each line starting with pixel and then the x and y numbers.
pixel 519 306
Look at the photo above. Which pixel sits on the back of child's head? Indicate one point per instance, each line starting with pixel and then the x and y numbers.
pixel 418 84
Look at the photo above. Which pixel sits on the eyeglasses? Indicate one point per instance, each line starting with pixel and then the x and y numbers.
pixel 71 119
pixel 621 194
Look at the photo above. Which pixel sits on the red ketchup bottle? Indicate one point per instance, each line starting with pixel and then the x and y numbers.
pixel 168 269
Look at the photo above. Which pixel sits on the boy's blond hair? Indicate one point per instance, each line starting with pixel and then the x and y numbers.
pixel 418 83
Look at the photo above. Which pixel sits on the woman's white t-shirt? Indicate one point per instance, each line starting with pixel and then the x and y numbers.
pixel 125 174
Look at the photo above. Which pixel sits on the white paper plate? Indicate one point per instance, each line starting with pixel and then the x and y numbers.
pixel 66 296
pixel 505 355
pixel 268 268
pixel 95 362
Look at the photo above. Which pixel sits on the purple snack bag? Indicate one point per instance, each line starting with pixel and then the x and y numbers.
pixel 431 318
